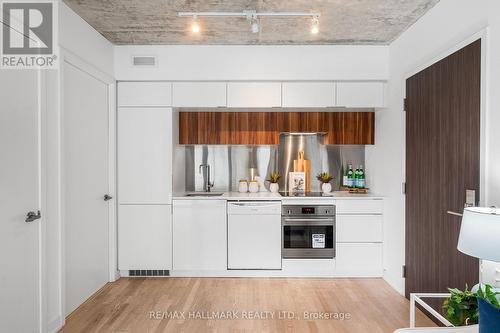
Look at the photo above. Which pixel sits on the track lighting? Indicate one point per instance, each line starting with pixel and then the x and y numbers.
pixel 252 16
pixel 195 27
pixel 315 25
pixel 254 27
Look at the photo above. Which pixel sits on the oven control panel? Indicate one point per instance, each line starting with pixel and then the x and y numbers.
pixel 313 210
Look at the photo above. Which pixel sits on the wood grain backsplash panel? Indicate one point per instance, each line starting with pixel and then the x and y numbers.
pixel 263 128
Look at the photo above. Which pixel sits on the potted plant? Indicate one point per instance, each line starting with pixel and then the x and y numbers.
pixel 274 187
pixel 461 308
pixel 325 178
pixel 489 309
pixel 481 304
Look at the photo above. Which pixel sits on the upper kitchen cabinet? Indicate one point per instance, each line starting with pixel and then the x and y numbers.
pixel 361 94
pixel 308 94
pixel 148 94
pixel 199 94
pixel 144 155
pixel 253 94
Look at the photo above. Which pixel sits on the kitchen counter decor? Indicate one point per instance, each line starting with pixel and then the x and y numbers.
pixel 274 187
pixel 325 178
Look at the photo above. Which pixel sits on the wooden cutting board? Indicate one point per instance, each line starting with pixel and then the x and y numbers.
pixel 303 165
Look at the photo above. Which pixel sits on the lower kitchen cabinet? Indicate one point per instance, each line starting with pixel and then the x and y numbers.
pixel 199 229
pixel 359 260
pixel 145 237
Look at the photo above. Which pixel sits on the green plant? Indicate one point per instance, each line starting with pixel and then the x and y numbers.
pixel 324 177
pixel 274 178
pixel 488 295
pixel 461 308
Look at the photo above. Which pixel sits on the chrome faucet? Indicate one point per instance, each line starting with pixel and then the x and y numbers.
pixel 207 185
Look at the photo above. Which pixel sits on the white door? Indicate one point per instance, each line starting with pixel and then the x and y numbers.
pixel 85 169
pixel 20 242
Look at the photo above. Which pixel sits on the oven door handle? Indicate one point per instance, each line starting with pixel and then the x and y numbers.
pixel 318 222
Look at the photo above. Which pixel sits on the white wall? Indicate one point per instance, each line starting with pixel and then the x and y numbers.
pixel 444 26
pixel 214 62
pixel 80 40
pixel 78 37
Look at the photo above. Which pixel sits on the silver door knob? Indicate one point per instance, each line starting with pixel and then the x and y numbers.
pixel 32 216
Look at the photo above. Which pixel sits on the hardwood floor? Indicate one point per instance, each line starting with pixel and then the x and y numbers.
pixel 255 305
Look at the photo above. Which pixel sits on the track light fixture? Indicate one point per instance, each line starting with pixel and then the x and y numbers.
pixel 254 27
pixel 315 25
pixel 195 27
pixel 252 16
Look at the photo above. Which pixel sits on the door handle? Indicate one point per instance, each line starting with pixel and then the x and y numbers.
pixel 454 213
pixel 107 197
pixel 31 216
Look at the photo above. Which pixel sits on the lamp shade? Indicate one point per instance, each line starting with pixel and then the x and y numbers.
pixel 480 233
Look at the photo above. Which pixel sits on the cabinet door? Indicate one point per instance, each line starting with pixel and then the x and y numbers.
pixel 360 94
pixel 199 94
pixel 144 94
pixel 144 155
pixel 359 206
pixel 359 228
pixel 199 235
pixel 144 237
pixel 254 242
pixel 308 94
pixel 253 94
pixel 359 260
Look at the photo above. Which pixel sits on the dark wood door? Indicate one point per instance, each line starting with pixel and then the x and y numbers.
pixel 442 161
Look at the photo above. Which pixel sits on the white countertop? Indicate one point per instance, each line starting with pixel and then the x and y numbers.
pixel 337 195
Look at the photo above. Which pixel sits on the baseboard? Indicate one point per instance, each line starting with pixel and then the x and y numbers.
pixel 396 282
pixel 55 325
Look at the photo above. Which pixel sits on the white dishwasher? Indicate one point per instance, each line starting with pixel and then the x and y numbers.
pixel 254 235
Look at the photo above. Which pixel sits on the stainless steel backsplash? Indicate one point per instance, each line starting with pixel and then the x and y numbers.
pixel 229 164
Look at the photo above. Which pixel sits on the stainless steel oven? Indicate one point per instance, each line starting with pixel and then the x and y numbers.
pixel 308 231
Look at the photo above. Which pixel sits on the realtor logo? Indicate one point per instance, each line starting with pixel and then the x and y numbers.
pixel 29 34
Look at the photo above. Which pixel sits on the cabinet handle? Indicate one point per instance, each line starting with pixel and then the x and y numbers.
pixel 454 213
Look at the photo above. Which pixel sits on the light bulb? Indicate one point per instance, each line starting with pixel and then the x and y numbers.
pixel 254 26
pixel 315 26
pixel 195 27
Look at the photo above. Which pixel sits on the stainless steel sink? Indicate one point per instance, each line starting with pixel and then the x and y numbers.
pixel 204 194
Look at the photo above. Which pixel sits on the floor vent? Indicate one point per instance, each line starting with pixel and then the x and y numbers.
pixel 149 272
pixel 144 61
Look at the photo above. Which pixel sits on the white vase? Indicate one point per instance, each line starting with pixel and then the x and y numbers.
pixel 326 187
pixel 274 187
pixel 243 186
pixel 253 186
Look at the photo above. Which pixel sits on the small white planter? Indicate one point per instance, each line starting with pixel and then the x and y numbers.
pixel 326 187
pixel 274 187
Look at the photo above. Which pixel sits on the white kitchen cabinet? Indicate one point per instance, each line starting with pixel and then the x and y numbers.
pixel 361 94
pixel 145 237
pixel 254 235
pixel 149 94
pixel 359 260
pixel 199 235
pixel 253 94
pixel 359 228
pixel 144 155
pixel 308 94
pixel 359 206
pixel 199 94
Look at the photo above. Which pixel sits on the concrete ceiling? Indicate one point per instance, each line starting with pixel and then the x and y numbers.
pixel 375 22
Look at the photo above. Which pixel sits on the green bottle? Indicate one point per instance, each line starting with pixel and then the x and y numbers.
pixel 361 177
pixel 350 176
pixel 356 178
